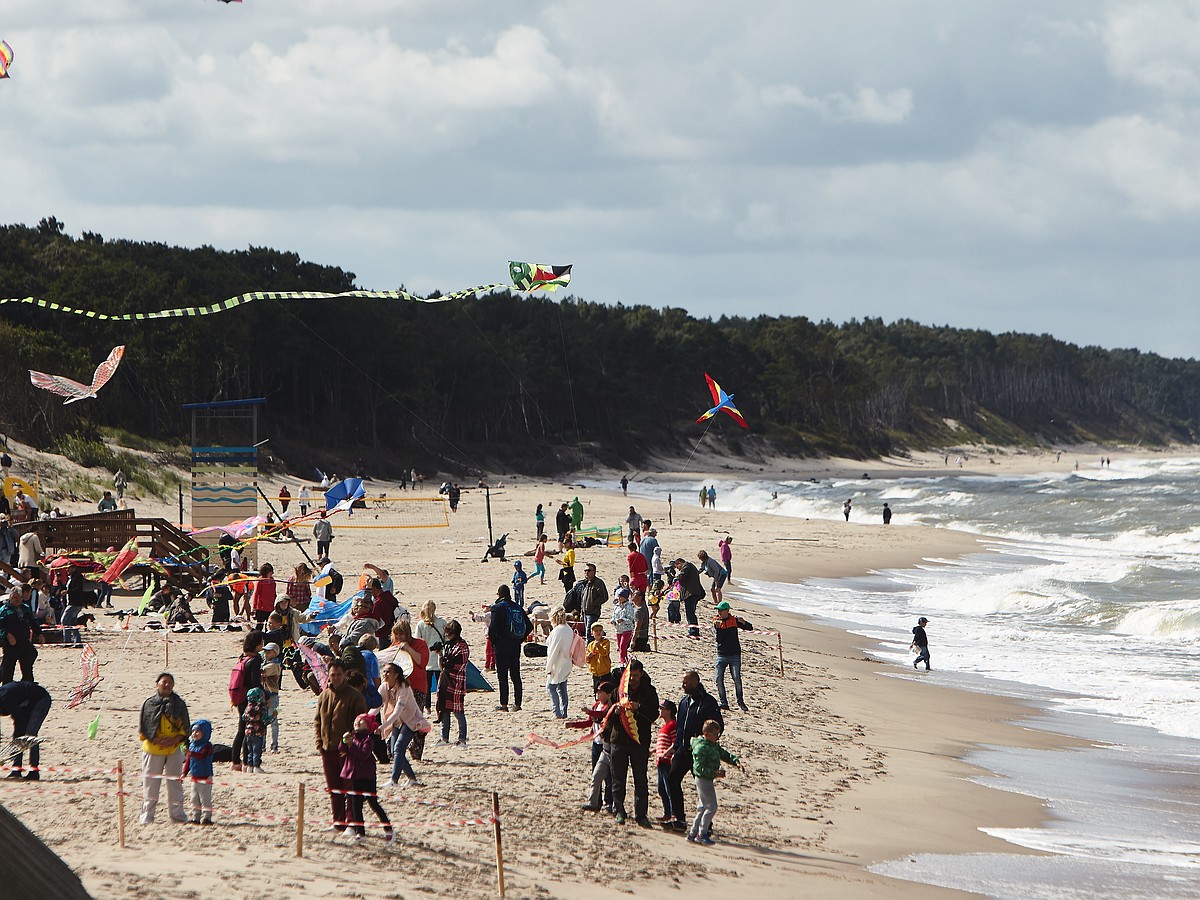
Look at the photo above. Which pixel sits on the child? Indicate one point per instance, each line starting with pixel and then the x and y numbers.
pixel 359 771
pixel 272 673
pixel 199 766
pixel 624 615
pixel 664 753
pixel 707 756
pixel 641 623
pixel 518 584
pixel 601 750
pixel 599 656
pixel 655 598
pixel 257 717
pixel 218 597
pixel 539 558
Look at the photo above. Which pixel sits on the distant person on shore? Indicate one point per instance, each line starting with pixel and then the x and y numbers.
pixel 107 503
pixel 714 571
pixel 323 533
pixel 562 524
pixel 285 498
pixel 712 496
pixel 703 496
pixel 920 643
pixel 887 514
pixel 576 514
pixel 846 508
pixel 539 519
pixel 725 551
pixel 624 485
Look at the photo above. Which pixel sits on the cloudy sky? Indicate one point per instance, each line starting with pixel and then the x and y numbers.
pixel 1001 164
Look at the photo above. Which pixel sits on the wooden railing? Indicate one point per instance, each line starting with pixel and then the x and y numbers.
pixel 157 538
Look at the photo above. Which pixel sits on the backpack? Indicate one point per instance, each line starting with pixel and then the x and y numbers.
pixel 518 622
pixel 335 582
pixel 578 652
pixel 237 682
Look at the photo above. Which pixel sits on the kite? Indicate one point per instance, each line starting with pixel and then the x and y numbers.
pixel 343 494
pixel 6 58
pixel 526 277
pixel 121 562
pixel 73 390
pixel 535 739
pixel 89 678
pixel 723 401
pixel 240 529
pixel 538 277
pixel 313 658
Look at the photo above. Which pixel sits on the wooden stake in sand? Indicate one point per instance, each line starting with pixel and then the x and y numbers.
pixel 300 823
pixel 654 625
pixel 779 644
pixel 120 804
pixel 499 849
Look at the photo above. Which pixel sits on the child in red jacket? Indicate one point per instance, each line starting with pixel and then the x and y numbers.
pixel 664 752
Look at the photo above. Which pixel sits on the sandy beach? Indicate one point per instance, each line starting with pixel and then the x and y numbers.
pixel 845 764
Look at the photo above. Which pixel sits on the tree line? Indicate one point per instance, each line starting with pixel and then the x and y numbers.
pixel 537 383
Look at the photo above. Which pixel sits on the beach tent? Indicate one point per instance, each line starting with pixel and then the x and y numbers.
pixel 611 537
pixel 327 614
pixel 475 679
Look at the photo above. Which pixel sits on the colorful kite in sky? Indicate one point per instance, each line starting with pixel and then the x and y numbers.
pixel 73 390
pixel 6 58
pixel 525 277
pixel 538 277
pixel 723 401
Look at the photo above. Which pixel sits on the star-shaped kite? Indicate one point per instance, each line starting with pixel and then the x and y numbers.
pixel 723 402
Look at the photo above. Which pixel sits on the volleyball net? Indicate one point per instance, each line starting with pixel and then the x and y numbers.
pixel 386 511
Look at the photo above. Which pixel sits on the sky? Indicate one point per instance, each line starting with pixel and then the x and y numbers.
pixel 996 164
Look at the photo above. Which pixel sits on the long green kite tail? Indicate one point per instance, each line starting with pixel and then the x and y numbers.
pixel 93 728
pixel 525 277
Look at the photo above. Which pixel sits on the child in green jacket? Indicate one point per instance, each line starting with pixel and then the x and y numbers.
pixel 707 756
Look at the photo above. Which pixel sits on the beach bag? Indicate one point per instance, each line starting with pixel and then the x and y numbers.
pixel 533 650
pixel 335 582
pixel 237 682
pixel 518 622
pixel 578 652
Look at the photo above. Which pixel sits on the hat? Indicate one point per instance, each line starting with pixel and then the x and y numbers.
pixel 272 646
pixel 623 592
pixel 724 604
pixel 922 621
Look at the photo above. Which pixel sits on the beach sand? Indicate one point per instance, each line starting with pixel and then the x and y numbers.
pixel 845 764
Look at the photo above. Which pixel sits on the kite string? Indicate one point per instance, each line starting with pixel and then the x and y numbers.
pixel 571 390
pixel 683 471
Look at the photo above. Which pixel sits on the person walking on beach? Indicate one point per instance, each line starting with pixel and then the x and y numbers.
pixel 562 524
pixel 337 708
pixel 304 496
pixel 323 533
pixel 634 521
pixel 846 509
pixel 164 727
pixel 539 518
pixel 729 653
pixel 592 597
pixel 691 592
pixel 725 550
pixel 713 570
pixel 696 707
pixel 887 514
pixel 624 485
pixel 120 482
pixel 920 643
pixel 576 514
pixel 712 496
pixel 507 629
pixel 703 496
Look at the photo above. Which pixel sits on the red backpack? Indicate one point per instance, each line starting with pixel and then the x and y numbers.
pixel 237 682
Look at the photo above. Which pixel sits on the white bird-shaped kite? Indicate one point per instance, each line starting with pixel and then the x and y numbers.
pixel 73 390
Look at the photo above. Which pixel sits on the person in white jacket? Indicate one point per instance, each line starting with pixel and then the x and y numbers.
pixel 558 661
pixel 400 720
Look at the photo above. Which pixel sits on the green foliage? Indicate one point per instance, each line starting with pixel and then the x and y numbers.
pixel 531 382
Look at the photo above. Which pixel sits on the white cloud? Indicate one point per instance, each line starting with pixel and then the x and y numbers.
pixel 865 105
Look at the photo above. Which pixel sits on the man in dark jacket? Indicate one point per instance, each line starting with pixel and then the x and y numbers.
pixel 592 597
pixel 627 728
pixel 691 592
pixel 506 645
pixel 17 628
pixel 562 524
pixel 696 708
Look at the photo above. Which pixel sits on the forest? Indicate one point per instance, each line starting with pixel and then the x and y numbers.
pixel 540 384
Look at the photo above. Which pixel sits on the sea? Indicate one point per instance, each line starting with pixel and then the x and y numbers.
pixel 1084 601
